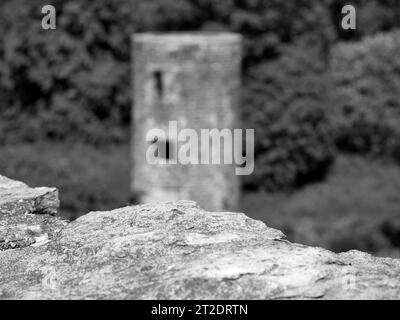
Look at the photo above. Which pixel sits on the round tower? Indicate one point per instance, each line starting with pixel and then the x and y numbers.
pixel 191 80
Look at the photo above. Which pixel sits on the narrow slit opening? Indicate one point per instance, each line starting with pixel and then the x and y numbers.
pixel 158 83
pixel 165 149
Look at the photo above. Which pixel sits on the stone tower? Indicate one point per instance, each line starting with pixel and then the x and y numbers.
pixel 194 80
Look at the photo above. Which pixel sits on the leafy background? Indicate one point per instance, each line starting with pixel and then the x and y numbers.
pixel 324 103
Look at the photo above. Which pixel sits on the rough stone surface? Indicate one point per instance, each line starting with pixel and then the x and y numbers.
pixel 179 251
pixel 26 214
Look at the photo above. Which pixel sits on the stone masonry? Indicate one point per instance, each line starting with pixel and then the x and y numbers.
pixel 194 79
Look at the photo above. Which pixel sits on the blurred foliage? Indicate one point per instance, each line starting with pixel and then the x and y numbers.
pixel 366 112
pixel 73 84
pixel 288 100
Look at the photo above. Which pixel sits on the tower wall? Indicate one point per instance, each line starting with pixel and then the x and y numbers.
pixel 193 79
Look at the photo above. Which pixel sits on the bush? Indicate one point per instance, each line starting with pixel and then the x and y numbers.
pixel 74 83
pixel 286 103
pixel 373 16
pixel 366 78
pixel 65 83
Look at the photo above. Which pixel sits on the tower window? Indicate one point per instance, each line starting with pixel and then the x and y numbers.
pixel 165 149
pixel 158 83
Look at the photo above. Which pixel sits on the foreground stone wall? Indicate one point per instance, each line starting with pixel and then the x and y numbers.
pixel 169 251
pixel 27 215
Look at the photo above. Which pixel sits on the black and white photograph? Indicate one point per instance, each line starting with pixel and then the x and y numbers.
pixel 199 155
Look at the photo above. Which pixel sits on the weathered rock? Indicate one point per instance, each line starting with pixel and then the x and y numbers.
pixel 179 251
pixel 26 214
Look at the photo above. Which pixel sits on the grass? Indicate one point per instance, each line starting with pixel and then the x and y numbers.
pixel 87 177
pixel 357 207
